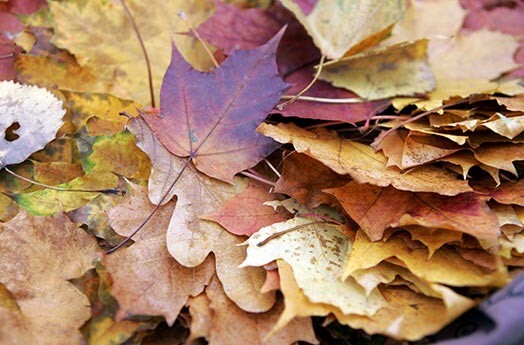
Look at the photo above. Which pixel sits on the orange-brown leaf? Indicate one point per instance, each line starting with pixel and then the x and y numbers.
pixel 245 213
pixel 146 279
pixel 375 209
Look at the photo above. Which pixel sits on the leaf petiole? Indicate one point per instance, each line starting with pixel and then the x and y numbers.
pixel 304 90
pixel 36 183
pixel 144 51
pixel 152 213
pixel 278 234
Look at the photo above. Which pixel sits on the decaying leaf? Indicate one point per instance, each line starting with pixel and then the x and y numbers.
pixel 146 279
pixel 227 324
pixel 30 119
pixel 315 250
pixel 304 178
pixel 399 70
pixel 47 202
pixel 39 256
pixel 232 27
pixel 64 74
pixel 246 213
pixel 117 154
pixel 431 19
pixel 104 108
pixel 346 112
pixel 384 237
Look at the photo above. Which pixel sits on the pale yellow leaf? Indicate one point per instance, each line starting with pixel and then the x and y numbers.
pixel 398 70
pixel 337 26
pixel 316 251
pixel 446 266
pixel 102 39
pixel 428 19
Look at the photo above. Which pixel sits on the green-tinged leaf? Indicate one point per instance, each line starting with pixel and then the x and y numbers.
pixel 399 70
pixel 49 201
pixel 118 154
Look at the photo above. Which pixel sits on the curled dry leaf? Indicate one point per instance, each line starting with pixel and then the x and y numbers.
pixel 362 163
pixel 39 256
pixel 30 119
pixel 511 193
pixel 446 266
pixel 399 319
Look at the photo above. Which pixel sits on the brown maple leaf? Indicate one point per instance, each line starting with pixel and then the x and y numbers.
pixel 146 279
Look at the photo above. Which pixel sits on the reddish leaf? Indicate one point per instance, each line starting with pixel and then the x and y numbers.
pixel 504 19
pixel 348 112
pixel 306 6
pixel 232 28
pixel 9 22
pixel 375 209
pixel 7 63
pixel 25 6
pixel 211 117
pixel 303 178
pixel 245 213
pixel 511 193
pixel 479 257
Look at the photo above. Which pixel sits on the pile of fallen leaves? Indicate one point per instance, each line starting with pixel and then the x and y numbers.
pixel 355 161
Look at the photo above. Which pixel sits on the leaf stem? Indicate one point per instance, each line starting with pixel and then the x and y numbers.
pixel 182 16
pixel 304 90
pixel 272 168
pixel 36 183
pixel 418 117
pixel 144 51
pixel 157 206
pixel 324 100
pixel 258 178
pixel 278 234
pixel 7 56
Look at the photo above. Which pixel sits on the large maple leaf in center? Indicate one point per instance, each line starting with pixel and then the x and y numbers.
pixel 211 117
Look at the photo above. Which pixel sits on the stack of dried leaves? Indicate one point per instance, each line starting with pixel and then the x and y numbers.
pixel 386 195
